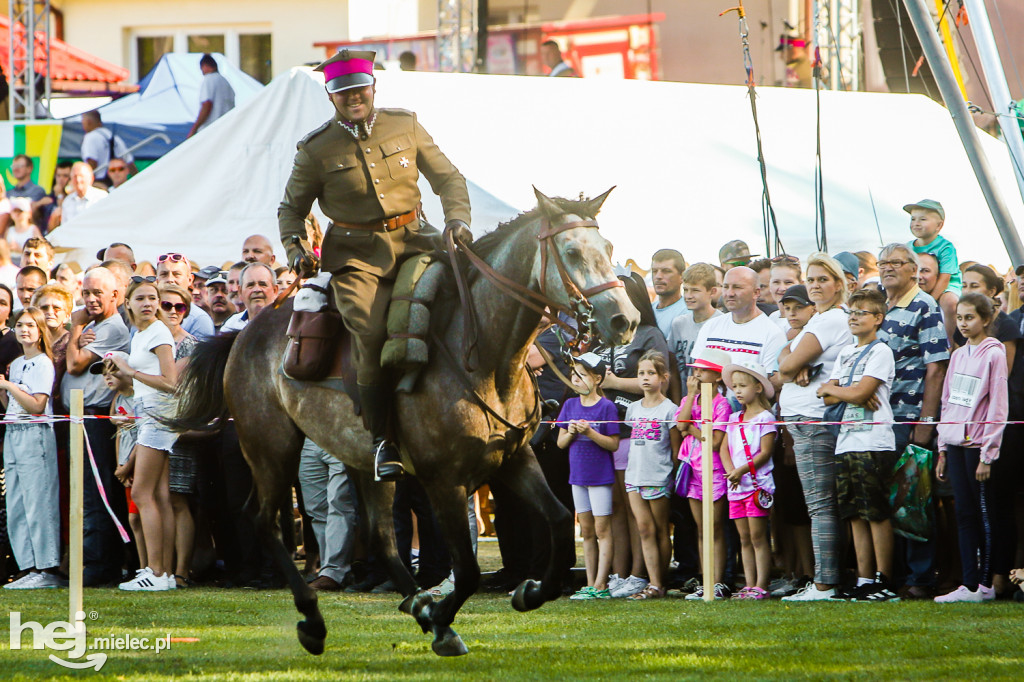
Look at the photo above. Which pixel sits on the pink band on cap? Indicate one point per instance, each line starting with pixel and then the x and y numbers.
pixel 343 68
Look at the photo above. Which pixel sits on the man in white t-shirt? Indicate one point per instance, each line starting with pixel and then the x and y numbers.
pixel 216 96
pixel 745 333
pixel 667 267
pixel 98 143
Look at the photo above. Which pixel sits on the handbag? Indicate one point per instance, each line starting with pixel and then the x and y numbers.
pixel 835 411
pixel 763 499
pixel 683 476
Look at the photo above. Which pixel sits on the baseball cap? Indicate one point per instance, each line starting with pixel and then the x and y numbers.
pixel 798 293
pixel 594 362
pixel 20 203
pixel 736 250
pixel 208 272
pixel 850 263
pixel 98 366
pixel 927 205
pixel 220 278
pixel 790 41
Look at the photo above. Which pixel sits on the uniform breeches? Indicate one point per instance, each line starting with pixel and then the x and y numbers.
pixel 362 299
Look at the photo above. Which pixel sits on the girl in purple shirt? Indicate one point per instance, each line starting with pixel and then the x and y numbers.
pixel 588 428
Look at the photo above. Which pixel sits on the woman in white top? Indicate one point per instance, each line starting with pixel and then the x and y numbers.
pixel 151 368
pixel 804 365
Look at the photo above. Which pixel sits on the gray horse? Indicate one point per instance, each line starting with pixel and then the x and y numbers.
pixel 460 427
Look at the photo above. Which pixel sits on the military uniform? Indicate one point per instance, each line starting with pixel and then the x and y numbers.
pixel 364 174
pixel 358 182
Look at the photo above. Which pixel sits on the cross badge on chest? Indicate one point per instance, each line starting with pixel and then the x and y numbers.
pixel 403 162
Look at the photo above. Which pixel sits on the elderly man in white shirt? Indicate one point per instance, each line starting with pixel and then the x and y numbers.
pixel 83 194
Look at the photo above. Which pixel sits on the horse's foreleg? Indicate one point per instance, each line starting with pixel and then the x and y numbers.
pixel 523 476
pixel 450 506
pixel 378 499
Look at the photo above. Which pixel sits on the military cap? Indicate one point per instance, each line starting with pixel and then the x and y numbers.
pixel 348 69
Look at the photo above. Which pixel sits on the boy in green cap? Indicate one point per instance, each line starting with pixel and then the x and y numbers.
pixel 926 220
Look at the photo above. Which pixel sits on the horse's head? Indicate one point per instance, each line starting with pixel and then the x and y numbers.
pixel 577 261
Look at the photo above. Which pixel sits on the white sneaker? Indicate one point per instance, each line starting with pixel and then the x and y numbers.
pixel 811 593
pixel 987 593
pixel 962 593
pixel 446 587
pixel 145 581
pixel 47 581
pixel 25 582
pixel 172 582
pixel 614 581
pixel 628 587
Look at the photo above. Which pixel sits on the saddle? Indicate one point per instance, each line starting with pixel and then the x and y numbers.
pixel 320 347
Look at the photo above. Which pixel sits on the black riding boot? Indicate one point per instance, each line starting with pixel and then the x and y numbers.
pixel 387 464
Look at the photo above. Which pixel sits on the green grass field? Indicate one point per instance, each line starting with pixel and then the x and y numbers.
pixel 244 635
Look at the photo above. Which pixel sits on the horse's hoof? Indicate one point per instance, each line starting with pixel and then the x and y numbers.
pixel 526 596
pixel 311 641
pixel 450 644
pixel 419 606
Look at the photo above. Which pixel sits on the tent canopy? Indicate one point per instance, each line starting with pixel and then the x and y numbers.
pixel 683 157
pixel 167 102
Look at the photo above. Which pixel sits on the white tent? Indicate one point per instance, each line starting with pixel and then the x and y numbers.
pixel 682 155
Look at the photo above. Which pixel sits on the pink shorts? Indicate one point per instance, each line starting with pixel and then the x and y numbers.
pixel 746 508
pixel 719 485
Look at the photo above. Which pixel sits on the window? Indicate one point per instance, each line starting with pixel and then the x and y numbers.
pixel 150 49
pixel 210 43
pixel 254 56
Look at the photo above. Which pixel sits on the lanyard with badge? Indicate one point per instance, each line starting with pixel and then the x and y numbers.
pixel 857 413
pixel 764 499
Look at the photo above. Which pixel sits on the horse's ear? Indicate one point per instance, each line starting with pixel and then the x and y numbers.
pixel 594 205
pixel 548 207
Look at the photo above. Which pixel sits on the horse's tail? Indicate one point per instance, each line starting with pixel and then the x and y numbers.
pixel 200 390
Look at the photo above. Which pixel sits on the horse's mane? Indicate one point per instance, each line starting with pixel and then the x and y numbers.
pixel 490 241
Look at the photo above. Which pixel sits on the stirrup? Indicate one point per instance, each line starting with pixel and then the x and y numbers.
pixel 388 470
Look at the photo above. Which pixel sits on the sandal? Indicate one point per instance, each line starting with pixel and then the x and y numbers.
pixel 649 592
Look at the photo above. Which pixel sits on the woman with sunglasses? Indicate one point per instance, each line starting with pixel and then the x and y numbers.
pixel 154 376
pixel 175 305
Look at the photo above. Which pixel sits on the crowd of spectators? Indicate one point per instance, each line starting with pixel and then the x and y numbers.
pixel 782 340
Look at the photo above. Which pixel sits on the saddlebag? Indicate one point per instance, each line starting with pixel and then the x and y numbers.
pixel 312 332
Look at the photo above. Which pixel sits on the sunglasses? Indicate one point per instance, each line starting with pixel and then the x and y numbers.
pixel 139 279
pixel 173 257
pixel 785 258
pixel 116 169
pixel 179 308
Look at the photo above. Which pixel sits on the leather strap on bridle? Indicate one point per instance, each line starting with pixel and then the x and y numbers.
pixel 470 329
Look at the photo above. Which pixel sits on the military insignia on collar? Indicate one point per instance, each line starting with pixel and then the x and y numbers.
pixel 403 162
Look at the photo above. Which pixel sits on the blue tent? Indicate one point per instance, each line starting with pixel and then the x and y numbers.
pixel 167 102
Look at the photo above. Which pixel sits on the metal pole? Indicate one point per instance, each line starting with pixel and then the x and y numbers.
pixel 925 28
pixel 482 13
pixel 12 79
pixel 708 504
pixel 1002 101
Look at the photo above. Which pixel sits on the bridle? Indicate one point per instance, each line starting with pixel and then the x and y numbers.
pixel 580 308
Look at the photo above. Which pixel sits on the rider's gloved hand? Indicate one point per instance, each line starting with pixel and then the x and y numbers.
pixel 459 230
pixel 305 263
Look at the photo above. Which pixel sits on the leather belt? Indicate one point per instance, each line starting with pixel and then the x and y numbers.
pixel 385 225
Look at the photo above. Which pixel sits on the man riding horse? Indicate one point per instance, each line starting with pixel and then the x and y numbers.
pixel 363 166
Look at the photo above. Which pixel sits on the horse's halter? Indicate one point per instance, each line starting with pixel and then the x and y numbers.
pixel 579 308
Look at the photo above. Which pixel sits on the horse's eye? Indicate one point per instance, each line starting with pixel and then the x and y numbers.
pixel 572 253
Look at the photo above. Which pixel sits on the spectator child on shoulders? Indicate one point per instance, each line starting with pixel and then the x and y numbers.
pixel 747 458
pixel 653 439
pixel 926 220
pixel 974 391
pixel 865 453
pixel 591 471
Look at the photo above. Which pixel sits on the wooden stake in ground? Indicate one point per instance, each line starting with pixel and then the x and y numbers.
pixel 708 506
pixel 76 503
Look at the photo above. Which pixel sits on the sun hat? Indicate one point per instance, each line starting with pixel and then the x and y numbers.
pixel 711 358
pixel 755 371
